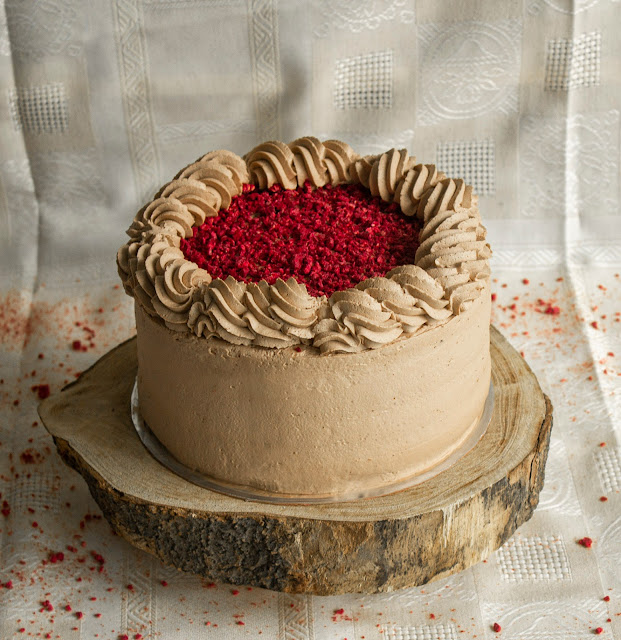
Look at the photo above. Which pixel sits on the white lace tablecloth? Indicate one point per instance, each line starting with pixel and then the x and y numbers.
pixel 100 102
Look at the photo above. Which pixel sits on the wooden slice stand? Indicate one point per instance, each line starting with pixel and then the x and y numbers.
pixel 429 531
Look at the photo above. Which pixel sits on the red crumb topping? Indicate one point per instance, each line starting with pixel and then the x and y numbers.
pixel 496 627
pixel 328 238
pixel 586 542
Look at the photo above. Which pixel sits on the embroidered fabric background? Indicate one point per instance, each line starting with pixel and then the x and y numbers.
pixel 101 102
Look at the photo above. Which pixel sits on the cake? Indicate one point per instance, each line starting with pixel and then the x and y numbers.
pixel 310 323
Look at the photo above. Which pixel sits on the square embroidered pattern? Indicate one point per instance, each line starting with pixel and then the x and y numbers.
pixel 608 464
pixel 573 63
pixel 364 81
pixel 533 559
pixel 39 109
pixel 472 160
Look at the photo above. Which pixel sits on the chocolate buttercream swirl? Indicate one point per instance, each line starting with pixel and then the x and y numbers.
pixel 364 317
pixel 235 165
pixel 333 337
pixel 454 251
pixel 175 290
pixel 427 291
pixel 387 171
pixel 272 163
pixel 169 214
pixel 292 305
pixel 360 170
pixel 268 331
pixel 413 184
pixel 447 194
pixel 399 303
pixel 218 180
pixel 309 161
pixel 226 309
pixel 199 321
pixel 198 198
pixel 338 159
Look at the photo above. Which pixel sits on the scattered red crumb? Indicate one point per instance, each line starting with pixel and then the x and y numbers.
pixel 606 598
pixel 432 616
pixel 79 615
pixel 42 390
pixel 47 605
pixel 494 296
pixel 586 542
pixel 496 627
pixel 22 630
pixel 235 592
pixel 41 356
pixel 339 612
pixel 602 444
pixel 138 636
pixel 35 524
pixel 56 557
pixel 603 499
pixel 30 456
pixel 241 622
pixel 8 585
pixel 67 607
pixel 525 281
pixel 595 326
pixel 598 630
pixel 327 238
pixel 124 637
pixel 6 509
pixel 164 583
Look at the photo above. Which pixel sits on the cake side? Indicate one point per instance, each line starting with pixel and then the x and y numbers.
pixel 296 422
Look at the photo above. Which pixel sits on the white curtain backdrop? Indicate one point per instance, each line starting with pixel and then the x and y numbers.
pixel 102 101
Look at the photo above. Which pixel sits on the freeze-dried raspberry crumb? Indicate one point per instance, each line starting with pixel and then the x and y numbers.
pixel 496 627
pixel 586 542
pixel 327 238
pixel 606 598
pixel 598 630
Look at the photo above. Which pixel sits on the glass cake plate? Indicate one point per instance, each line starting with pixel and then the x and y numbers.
pixel 162 455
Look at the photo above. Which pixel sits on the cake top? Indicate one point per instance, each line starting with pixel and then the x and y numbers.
pixel 327 238
pixel 396 246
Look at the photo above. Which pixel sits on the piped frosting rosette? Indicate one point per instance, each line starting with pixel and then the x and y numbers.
pixel 450 271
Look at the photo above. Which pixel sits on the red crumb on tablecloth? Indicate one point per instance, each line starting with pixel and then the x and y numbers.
pixel 598 630
pixel 327 238
pixel 42 390
pixel 496 627
pixel 235 592
pixel 585 542
pixel 606 598
pixel 31 456
pixel 525 281
pixel 164 583
pixel 603 499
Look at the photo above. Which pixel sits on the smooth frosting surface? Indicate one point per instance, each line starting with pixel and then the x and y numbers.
pixel 292 422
